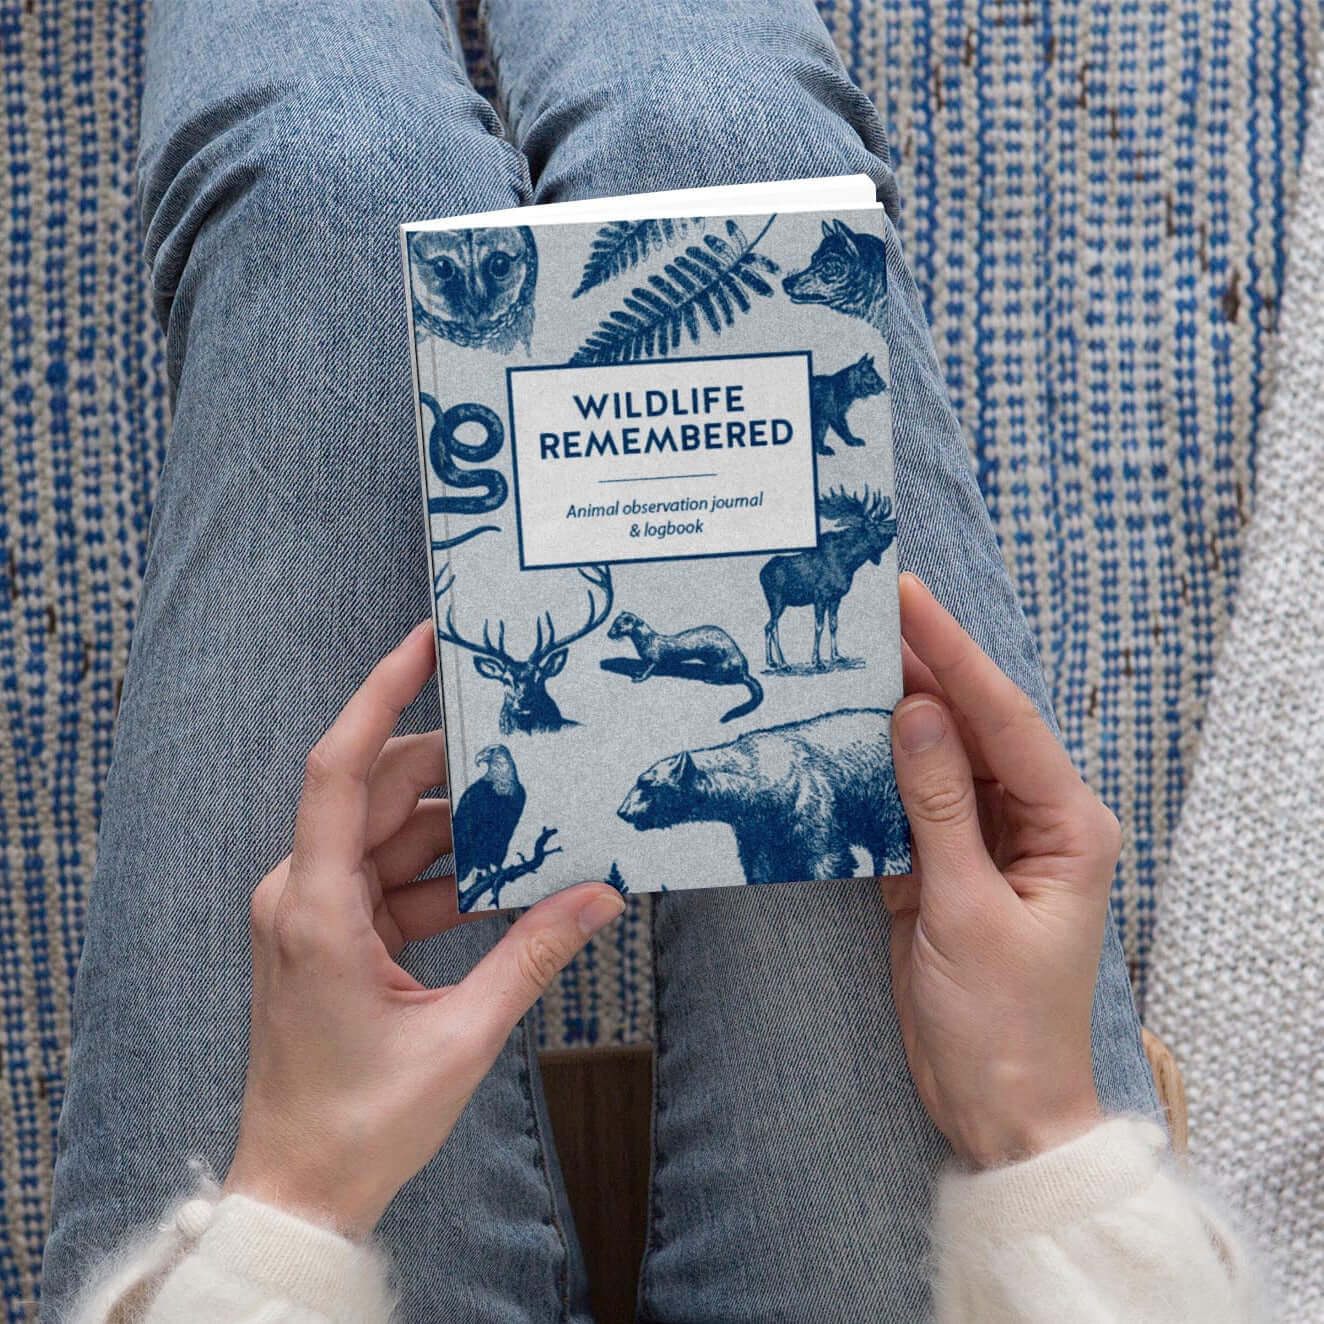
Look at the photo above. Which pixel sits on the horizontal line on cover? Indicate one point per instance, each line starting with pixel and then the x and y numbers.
pixel 657 478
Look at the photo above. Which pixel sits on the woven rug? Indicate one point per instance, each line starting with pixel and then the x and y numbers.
pixel 1095 202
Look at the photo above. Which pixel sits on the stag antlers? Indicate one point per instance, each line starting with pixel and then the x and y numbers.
pixel 599 578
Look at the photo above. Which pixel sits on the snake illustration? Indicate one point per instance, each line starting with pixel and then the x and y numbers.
pixel 444 448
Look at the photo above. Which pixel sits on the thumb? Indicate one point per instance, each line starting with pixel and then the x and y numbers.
pixel 937 788
pixel 497 992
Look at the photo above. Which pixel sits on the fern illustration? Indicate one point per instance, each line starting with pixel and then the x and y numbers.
pixel 624 244
pixel 712 281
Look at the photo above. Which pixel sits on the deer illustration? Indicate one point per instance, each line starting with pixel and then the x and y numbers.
pixel 822 576
pixel 527 706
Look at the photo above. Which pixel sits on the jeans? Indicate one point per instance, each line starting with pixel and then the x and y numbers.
pixel 282 142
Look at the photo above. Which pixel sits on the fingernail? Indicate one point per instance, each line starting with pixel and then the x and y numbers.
pixel 597 912
pixel 921 726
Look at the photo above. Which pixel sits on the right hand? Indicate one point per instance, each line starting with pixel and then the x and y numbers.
pixel 997 930
pixel 356 1071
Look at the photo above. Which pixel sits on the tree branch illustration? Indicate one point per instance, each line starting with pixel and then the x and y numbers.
pixel 495 880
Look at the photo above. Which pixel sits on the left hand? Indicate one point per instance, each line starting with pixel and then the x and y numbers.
pixel 356 1071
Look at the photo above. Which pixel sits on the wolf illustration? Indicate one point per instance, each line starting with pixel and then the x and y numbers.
pixel 798 797
pixel 475 287
pixel 848 273
pixel 832 394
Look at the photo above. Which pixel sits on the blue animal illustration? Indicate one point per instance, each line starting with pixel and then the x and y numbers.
pixel 620 245
pixel 495 880
pixel 475 287
pixel 705 653
pixel 527 706
pixel 822 576
pixel 445 448
pixel 798 797
pixel 712 281
pixel 848 273
pixel 487 815
pixel 832 394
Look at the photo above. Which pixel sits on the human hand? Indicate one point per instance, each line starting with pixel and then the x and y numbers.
pixel 996 932
pixel 356 1071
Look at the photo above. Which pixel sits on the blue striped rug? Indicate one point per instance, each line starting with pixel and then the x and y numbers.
pixel 1095 199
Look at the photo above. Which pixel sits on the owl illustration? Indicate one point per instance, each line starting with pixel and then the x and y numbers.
pixel 475 287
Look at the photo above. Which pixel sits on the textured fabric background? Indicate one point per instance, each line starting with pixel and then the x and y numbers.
pixel 1095 202
pixel 1237 977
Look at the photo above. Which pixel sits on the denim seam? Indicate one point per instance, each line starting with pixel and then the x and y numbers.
pixel 501 92
pixel 535 1133
pixel 653 1238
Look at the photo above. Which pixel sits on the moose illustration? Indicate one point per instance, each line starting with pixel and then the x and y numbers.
pixel 527 706
pixel 822 576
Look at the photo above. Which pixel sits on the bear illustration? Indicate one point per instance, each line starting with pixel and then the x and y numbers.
pixel 798 797
pixel 832 395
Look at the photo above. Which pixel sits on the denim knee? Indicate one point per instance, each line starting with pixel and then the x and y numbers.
pixel 322 163
pixel 732 109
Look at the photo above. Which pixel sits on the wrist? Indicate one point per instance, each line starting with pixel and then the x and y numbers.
pixel 308 1192
pixel 991 1142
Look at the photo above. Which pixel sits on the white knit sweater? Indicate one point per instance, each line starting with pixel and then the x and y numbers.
pixel 1101 1230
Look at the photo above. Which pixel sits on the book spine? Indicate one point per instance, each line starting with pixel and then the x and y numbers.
pixel 454 733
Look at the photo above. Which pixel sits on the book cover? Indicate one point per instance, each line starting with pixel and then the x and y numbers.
pixel 657 471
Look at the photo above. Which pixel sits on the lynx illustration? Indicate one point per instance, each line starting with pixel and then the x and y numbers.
pixel 798 797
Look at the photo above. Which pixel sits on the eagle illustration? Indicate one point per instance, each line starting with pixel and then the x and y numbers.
pixel 487 815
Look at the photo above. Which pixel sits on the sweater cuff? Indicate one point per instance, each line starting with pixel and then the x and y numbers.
pixel 1115 1160
pixel 289 1258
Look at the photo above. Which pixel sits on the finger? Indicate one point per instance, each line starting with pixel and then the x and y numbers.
pixel 918 679
pixel 933 776
pixel 415 911
pixel 988 795
pixel 420 842
pixel 1019 750
pixel 901 892
pixel 329 829
pixel 406 767
pixel 517 971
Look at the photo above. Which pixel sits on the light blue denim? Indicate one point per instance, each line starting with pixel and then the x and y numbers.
pixel 282 142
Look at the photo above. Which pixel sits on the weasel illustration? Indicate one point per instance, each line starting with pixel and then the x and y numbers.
pixel 706 653
pixel 848 273
pixel 798 797
pixel 831 395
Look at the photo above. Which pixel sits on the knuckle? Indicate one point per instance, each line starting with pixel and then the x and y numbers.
pixel 1110 831
pixel 540 959
pixel 946 802
pixel 1104 830
pixel 260 907
pixel 293 937
pixel 318 767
